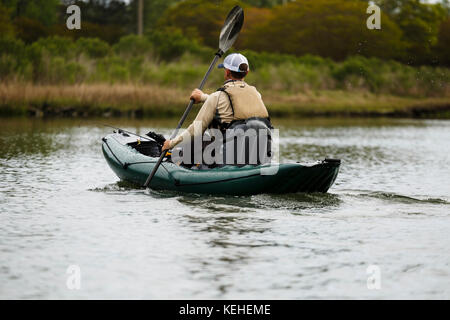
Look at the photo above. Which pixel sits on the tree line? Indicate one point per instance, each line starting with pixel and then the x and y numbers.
pixel 412 32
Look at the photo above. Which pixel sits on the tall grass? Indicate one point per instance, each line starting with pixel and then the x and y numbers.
pixel 139 61
pixel 92 99
pixel 137 100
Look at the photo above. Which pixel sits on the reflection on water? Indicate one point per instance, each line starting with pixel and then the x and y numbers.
pixel 62 205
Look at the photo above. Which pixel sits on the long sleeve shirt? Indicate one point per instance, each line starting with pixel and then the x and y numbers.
pixel 217 102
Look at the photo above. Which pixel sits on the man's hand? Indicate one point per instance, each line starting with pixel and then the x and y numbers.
pixel 197 95
pixel 166 145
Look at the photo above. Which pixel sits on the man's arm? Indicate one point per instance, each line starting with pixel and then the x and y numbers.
pixel 204 118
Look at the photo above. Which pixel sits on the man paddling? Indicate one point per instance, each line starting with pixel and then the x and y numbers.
pixel 235 105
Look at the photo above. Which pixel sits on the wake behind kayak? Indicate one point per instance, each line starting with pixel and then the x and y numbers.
pixel 132 160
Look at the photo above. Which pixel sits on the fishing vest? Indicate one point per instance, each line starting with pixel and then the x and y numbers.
pixel 245 102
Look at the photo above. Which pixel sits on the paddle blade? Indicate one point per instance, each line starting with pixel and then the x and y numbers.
pixel 231 28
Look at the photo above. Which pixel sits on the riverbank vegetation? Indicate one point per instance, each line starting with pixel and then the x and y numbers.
pixel 135 100
pixel 63 73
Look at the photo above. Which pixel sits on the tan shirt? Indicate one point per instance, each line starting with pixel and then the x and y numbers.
pixel 216 101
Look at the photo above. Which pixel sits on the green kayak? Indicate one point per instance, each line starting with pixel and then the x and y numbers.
pixel 131 162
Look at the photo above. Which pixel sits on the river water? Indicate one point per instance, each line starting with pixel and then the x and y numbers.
pixel 381 232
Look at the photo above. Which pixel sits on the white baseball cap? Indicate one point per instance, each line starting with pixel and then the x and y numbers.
pixel 233 62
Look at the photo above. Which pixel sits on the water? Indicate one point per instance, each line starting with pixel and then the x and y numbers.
pixel 61 205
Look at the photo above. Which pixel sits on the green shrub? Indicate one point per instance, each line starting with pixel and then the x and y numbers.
pixel 10 45
pixel 57 46
pixel 171 44
pixel 358 72
pixel 74 72
pixel 257 60
pixel 179 74
pixel 132 46
pixel 118 73
pixel 135 68
pixel 13 59
pixel 58 70
pixel 7 66
pixel 92 47
pixel 111 69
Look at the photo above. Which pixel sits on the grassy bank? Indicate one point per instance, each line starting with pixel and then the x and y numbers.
pixel 138 77
pixel 159 101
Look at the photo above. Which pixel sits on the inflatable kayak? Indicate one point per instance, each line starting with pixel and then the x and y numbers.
pixel 132 160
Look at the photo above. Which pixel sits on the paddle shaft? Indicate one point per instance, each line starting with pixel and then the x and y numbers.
pixel 183 118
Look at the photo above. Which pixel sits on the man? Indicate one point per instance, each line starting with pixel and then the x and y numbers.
pixel 233 105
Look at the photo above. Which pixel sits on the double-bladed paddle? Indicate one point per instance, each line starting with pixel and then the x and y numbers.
pixel 228 35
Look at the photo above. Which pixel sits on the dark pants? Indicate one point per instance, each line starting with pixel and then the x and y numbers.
pixel 248 142
pixel 245 142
